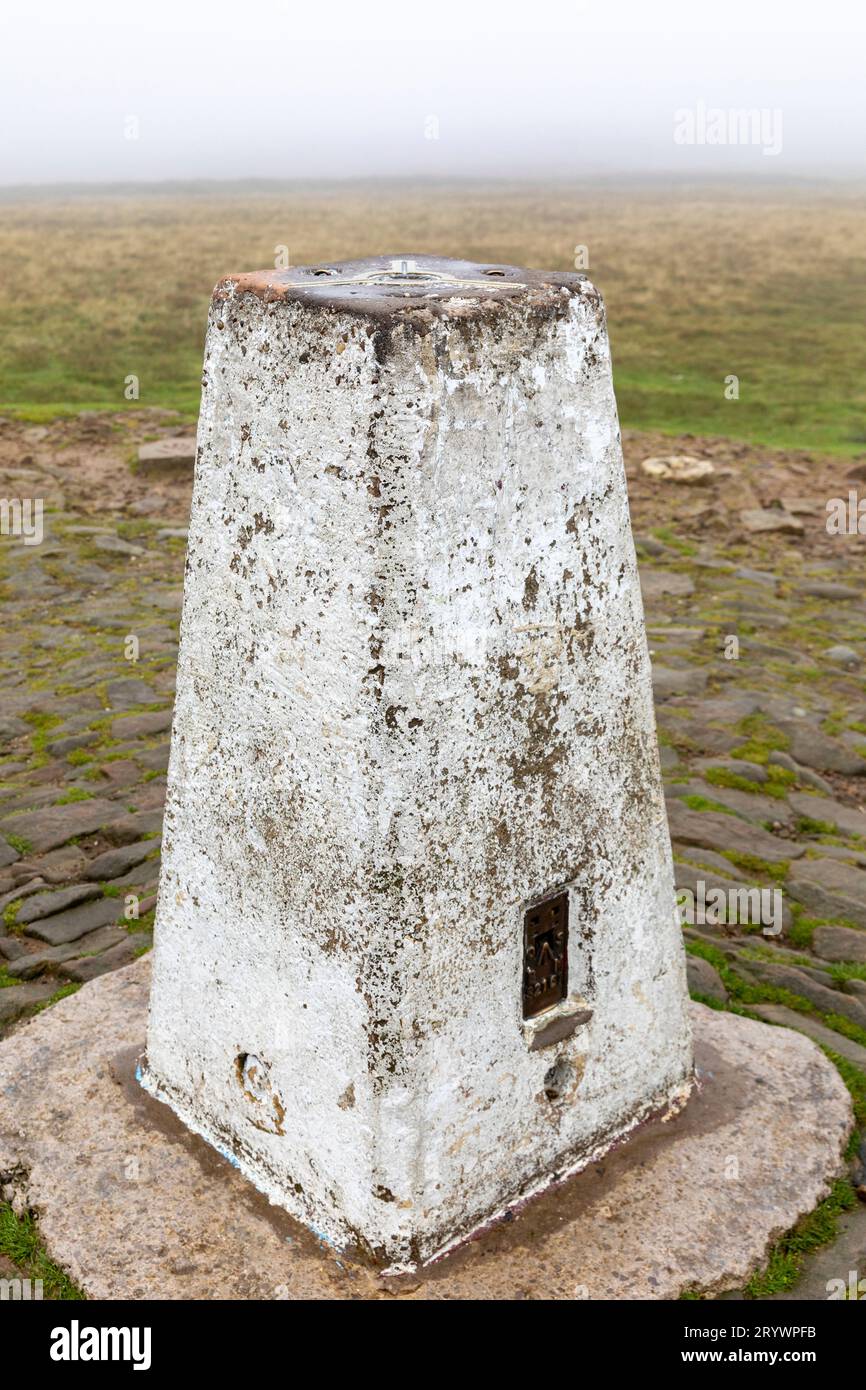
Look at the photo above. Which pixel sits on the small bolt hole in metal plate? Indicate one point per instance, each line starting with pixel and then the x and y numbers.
pixel 545 955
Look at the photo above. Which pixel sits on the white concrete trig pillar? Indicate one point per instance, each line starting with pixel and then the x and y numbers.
pixel 416 953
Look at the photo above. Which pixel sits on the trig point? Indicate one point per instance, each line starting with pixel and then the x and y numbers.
pixel 416 951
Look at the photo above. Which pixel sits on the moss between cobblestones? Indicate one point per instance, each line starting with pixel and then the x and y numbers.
pixel 10 915
pixel 761 739
pixel 723 777
pixel 839 971
pixel 139 924
pixel 62 993
pixel 42 725
pixel 74 794
pixel 19 843
pixel 746 992
pixel 821 1226
pixel 696 802
pixel 760 868
pixel 806 825
pixel 669 537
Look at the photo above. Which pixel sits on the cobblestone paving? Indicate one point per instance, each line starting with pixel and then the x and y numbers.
pixel 756 617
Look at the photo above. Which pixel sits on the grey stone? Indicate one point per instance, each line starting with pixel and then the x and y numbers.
pixel 802 506
pixel 813 1028
pixel 44 904
pixel 167 599
pixel 675 634
pixel 757 576
pixel 827 905
pixel 816 588
pixel 28 798
pixel 688 877
pixel 26 965
pixel 816 749
pixel 58 865
pixel 715 830
pixel 828 1001
pixel 8 855
pixel 709 859
pixel 32 963
pixel 114 862
pixel 22 890
pixel 156 759
pixel 11 727
pixel 125 829
pixel 729 709
pixel 141 725
pixel 146 506
pixel 62 746
pixel 140 878
pixel 53 826
pixel 821 977
pixel 750 806
pixel 847 819
pixel 167 453
pixel 69 926
pixel 840 944
pixel 704 978
pixel 842 656
pixel 11 948
pixel 762 519
pixel 846 1252
pixel 752 772
pixel 15 1000
pixel 740 901
pixel 637 1222
pixel 833 875
pixel 98 940
pixel 830 888
pixel 650 546
pixel 668 680
pixel 657 583
pixel 803 774
pixel 130 691
pixel 681 726
pixel 115 545
pixel 112 959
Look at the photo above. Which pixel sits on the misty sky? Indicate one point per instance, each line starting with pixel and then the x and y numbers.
pixel 103 90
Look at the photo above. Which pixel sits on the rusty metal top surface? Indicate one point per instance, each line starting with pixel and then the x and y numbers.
pixel 383 285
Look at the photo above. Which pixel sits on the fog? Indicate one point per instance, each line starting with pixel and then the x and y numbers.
pixel 101 91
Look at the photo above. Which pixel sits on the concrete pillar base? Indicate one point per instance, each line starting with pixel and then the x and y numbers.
pixel 132 1205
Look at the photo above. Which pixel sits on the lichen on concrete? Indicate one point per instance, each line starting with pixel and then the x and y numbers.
pixel 413 696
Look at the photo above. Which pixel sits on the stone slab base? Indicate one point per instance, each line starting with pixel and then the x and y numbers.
pixel 133 1206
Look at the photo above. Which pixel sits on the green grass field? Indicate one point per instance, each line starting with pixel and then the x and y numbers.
pixel 767 283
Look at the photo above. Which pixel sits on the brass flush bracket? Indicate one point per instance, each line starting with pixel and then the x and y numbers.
pixel 550 1013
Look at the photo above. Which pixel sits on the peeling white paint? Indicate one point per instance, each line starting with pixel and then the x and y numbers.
pixel 353 829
